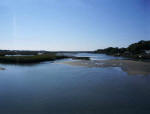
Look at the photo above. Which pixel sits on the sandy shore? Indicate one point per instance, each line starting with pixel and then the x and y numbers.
pixel 129 66
pixel 2 68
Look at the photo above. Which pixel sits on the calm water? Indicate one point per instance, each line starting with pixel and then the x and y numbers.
pixel 53 88
pixel 92 56
pixel 97 56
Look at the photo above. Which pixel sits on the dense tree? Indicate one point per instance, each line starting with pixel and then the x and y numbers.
pixel 136 50
pixel 139 47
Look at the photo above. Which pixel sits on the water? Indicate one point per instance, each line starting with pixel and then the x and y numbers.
pixel 53 88
pixel 92 56
pixel 97 56
pixel 19 55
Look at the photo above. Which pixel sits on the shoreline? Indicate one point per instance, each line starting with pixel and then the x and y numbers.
pixel 36 59
pixel 139 50
pixel 129 66
pixel 2 68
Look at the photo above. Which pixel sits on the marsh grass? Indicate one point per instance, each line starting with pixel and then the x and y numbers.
pixel 30 59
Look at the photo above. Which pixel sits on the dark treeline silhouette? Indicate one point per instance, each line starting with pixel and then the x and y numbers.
pixel 136 50
pixel 19 52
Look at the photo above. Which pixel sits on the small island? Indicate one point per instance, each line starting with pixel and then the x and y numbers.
pixel 24 57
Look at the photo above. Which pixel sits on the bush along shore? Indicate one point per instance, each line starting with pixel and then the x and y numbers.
pixel 140 50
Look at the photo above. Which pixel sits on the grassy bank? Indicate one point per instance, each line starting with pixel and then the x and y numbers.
pixel 30 59
pixel 36 58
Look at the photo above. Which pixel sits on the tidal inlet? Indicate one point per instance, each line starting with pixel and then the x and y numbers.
pixel 74 57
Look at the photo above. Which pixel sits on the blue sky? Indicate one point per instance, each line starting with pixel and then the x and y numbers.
pixel 72 24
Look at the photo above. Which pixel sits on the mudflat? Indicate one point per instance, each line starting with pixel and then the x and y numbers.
pixel 129 66
pixel 2 68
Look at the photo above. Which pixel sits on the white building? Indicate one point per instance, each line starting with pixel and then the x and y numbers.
pixel 40 53
pixel 147 51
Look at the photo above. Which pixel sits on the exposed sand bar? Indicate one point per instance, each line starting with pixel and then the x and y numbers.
pixel 2 68
pixel 129 66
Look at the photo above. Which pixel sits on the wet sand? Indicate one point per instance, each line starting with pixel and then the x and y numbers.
pixel 2 68
pixel 129 66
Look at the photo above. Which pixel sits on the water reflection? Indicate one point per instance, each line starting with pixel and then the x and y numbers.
pixel 52 88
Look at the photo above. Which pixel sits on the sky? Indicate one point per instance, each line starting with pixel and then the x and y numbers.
pixel 72 25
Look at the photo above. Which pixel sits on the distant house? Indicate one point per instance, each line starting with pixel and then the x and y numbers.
pixel 40 53
pixel 147 51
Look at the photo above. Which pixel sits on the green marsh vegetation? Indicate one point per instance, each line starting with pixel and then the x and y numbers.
pixel 22 57
pixel 30 59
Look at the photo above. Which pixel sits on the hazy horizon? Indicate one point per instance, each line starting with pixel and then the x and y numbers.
pixel 67 50
pixel 72 25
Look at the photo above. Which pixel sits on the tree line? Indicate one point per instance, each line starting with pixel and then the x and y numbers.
pixel 137 49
